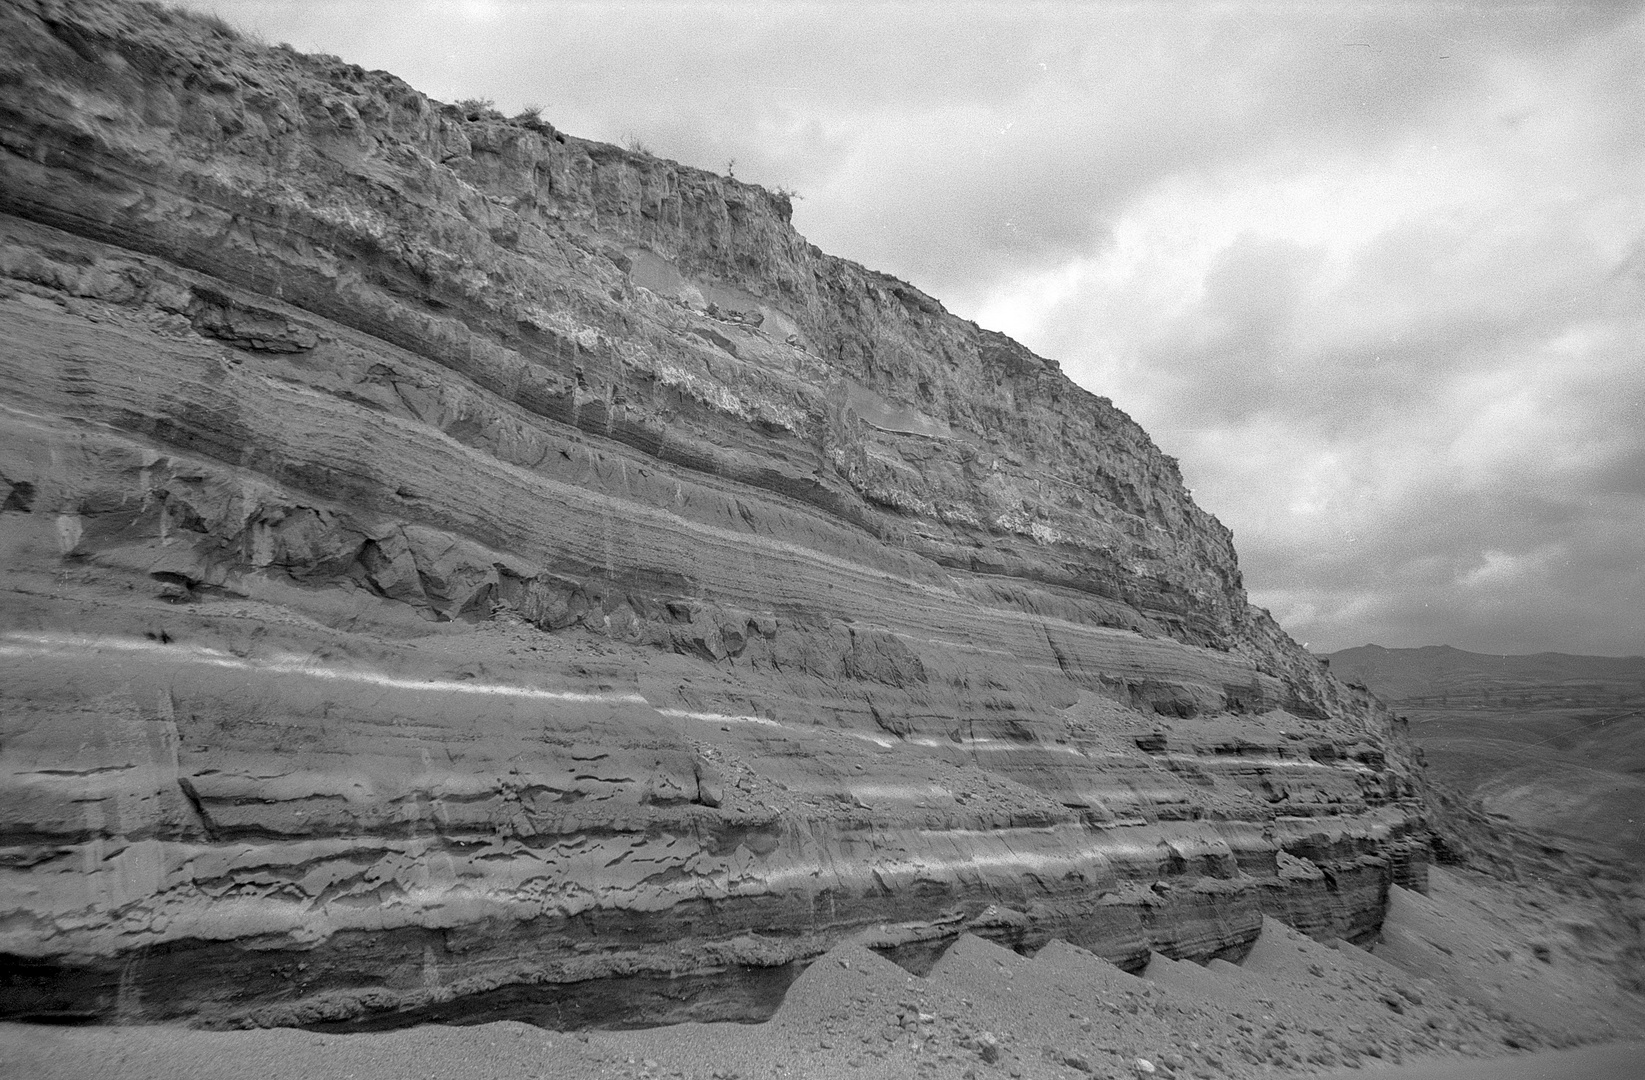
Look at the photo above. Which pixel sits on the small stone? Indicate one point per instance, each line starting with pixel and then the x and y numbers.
pixel 1144 1067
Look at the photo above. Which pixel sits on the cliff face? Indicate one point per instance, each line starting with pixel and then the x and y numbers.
pixel 453 568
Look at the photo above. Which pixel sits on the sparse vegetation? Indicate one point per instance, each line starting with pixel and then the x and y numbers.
pixel 634 145
pixel 731 168
pixel 212 21
pixel 479 109
pixel 217 24
pixel 785 192
pixel 531 118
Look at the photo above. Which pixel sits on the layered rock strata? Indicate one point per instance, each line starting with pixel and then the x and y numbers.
pixel 455 569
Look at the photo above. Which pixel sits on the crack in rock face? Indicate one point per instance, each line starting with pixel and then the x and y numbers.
pixel 447 560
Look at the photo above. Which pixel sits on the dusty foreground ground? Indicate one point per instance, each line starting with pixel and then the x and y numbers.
pixel 1469 971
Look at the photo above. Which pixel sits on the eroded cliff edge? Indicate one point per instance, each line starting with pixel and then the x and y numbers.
pixel 451 565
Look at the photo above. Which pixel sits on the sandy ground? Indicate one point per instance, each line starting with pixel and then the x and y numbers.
pixel 1461 978
pixel 1616 1061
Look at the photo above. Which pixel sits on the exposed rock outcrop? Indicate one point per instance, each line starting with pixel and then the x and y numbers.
pixel 448 562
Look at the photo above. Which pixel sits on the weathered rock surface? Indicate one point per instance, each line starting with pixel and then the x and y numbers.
pixel 451 566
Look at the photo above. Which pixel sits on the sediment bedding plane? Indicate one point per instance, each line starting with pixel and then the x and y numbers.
pixel 442 555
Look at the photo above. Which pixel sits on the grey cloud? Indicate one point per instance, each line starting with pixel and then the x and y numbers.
pixel 1417 575
pixel 1233 354
pixel 1446 305
pixel 1583 600
pixel 1182 93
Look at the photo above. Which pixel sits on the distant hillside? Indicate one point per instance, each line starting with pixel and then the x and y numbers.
pixel 1552 742
pixel 1441 675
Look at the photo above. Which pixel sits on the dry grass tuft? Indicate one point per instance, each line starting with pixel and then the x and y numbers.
pixel 479 109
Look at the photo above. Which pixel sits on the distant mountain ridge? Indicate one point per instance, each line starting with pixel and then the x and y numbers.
pixel 1440 674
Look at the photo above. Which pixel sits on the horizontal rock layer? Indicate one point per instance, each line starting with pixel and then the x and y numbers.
pixel 451 567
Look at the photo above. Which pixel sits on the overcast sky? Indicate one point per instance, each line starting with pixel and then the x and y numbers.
pixel 1375 273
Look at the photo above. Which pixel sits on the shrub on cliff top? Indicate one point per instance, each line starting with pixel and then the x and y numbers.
pixel 171 13
pixel 479 109
pixel 531 118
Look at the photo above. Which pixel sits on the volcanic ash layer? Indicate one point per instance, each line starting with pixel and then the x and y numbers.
pixel 455 568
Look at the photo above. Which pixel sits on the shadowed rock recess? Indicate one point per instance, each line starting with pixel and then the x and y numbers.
pixel 456 570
